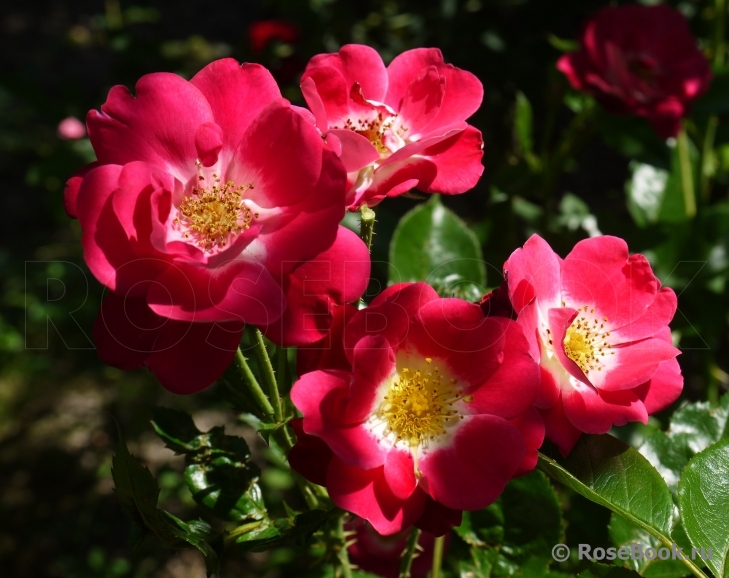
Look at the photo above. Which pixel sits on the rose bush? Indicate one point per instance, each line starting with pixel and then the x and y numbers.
pixel 400 127
pixel 431 416
pixel 597 322
pixel 640 60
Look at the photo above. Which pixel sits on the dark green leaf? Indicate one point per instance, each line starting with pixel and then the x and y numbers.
pixel 483 527
pixel 595 570
pixel 138 493
pixel 523 127
pixel 521 527
pixel 623 533
pixel 219 473
pixel 480 565
pixel 611 473
pixel 703 501
pixel 432 244
pixel 223 480
pixel 532 516
pixel 176 429
pixel 134 486
pixel 284 531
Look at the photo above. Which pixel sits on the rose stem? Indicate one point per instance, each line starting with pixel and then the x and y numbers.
pixel 409 553
pixel 437 556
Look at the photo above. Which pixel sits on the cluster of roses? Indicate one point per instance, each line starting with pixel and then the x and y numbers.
pixel 215 203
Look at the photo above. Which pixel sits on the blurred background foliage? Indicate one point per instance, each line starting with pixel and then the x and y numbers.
pixel 555 164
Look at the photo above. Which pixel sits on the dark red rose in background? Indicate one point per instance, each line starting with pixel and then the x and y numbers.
pixel 640 60
pixel 266 31
pixel 382 555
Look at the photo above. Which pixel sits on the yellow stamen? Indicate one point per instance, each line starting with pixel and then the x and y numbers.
pixel 214 214
pixel 419 405
pixel 584 343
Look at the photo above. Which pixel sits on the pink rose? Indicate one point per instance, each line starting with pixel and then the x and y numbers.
pixel 640 60
pixel 399 127
pixel 433 414
pixel 597 322
pixel 215 200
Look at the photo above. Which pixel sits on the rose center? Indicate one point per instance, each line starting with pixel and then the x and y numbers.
pixel 214 212
pixel 585 341
pixel 373 130
pixel 419 405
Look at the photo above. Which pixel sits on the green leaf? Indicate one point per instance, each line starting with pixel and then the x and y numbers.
pixel 519 530
pixel 483 527
pixel 699 425
pixel 532 517
pixel 266 430
pixel 611 473
pixel 563 44
pixel 224 482
pixel 432 244
pixel 623 534
pixel 523 127
pixel 218 471
pixel 138 493
pixel 481 564
pixel 176 429
pixel 284 531
pixel 693 428
pixel 596 570
pixel 668 457
pixel 703 501
pixel 134 486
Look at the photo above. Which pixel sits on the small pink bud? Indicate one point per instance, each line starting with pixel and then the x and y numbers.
pixel 71 128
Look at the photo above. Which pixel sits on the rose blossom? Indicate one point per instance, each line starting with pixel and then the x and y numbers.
pixel 431 415
pixel 399 127
pixel 208 198
pixel 597 322
pixel 187 357
pixel 382 555
pixel 263 32
pixel 640 60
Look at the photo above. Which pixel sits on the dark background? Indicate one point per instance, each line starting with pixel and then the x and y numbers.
pixel 58 514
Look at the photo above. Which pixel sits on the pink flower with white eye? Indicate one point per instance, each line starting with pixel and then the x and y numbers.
pixel 432 415
pixel 210 198
pixel 597 322
pixel 399 127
